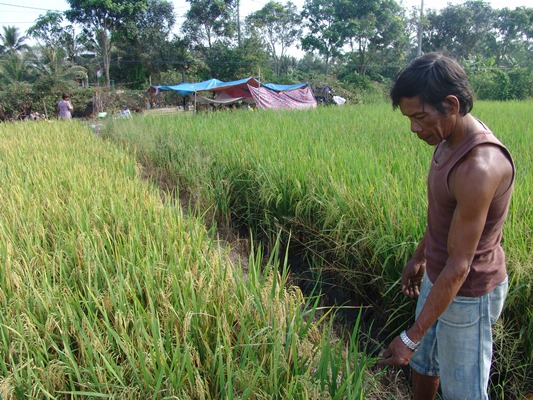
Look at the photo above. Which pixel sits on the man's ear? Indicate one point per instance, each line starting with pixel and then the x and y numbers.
pixel 452 105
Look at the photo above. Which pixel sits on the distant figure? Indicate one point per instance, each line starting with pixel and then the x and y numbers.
pixel 64 107
pixel 125 113
pixel 327 92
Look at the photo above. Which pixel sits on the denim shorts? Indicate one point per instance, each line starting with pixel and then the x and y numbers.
pixel 458 347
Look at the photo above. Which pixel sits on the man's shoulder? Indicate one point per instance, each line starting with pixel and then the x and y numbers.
pixel 487 155
pixel 484 165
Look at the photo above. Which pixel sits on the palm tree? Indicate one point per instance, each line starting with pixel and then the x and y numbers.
pixel 14 68
pixel 53 64
pixel 11 41
pixel 14 54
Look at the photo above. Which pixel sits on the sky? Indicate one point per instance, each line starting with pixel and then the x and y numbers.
pixel 23 13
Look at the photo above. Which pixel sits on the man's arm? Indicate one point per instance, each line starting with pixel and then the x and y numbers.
pixel 474 184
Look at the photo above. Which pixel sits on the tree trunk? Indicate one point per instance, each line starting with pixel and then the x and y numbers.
pixel 106 55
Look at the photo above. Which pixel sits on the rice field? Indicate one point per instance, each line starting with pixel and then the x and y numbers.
pixel 108 292
pixel 346 188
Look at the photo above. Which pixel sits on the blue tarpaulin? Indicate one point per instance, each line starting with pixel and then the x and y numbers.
pixel 190 88
pixel 283 88
pixel 242 83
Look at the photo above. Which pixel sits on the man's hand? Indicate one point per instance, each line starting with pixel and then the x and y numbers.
pixel 412 276
pixel 396 354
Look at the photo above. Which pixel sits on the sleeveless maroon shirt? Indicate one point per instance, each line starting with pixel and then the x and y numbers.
pixel 488 266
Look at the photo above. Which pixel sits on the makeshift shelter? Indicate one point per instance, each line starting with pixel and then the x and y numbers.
pixel 249 90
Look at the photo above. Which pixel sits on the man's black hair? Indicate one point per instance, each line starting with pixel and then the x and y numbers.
pixel 432 77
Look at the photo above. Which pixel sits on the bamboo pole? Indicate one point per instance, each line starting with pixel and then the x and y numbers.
pixel 45 112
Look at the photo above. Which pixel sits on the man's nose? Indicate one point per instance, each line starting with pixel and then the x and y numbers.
pixel 415 127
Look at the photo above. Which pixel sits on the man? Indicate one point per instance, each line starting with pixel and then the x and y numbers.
pixel 458 269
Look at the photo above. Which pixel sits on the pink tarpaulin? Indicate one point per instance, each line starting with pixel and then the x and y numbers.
pixel 293 99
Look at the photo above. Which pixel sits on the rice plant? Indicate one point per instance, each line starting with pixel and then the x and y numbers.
pixel 108 292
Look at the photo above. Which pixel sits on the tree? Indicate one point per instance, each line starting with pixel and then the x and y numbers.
pixel 374 30
pixel 513 43
pixel 311 67
pixel 250 59
pixel 143 45
pixel 414 20
pixel 53 65
pixel 208 21
pixel 229 63
pixel 48 30
pixel 279 26
pixel 12 41
pixel 324 33
pixel 14 54
pixel 465 30
pixel 56 54
pixel 101 19
pixel 14 67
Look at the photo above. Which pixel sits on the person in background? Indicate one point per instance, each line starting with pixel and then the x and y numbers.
pixel 64 107
pixel 125 112
pixel 458 269
pixel 327 94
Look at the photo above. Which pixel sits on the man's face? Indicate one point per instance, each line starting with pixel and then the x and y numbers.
pixel 429 124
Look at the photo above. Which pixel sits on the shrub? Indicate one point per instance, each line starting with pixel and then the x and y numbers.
pixel 497 84
pixel 16 101
pixel 521 83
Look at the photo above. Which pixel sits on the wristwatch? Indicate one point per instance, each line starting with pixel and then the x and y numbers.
pixel 408 342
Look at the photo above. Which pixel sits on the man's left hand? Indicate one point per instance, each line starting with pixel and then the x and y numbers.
pixel 396 354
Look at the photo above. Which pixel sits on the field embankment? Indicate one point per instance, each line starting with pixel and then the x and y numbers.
pixel 344 190
pixel 108 292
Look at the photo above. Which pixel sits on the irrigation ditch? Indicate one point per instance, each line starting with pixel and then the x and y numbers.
pixel 351 312
pixel 235 239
